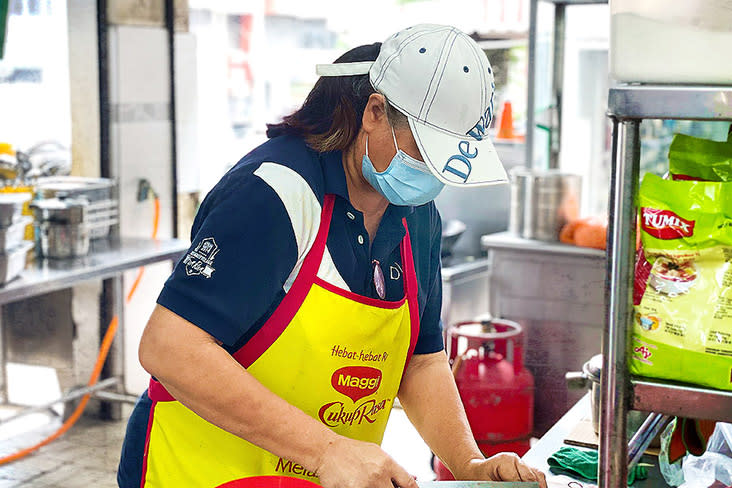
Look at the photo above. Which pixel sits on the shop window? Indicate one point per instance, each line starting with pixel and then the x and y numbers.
pixel 34 75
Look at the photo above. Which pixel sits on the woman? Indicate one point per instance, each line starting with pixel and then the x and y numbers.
pixel 311 294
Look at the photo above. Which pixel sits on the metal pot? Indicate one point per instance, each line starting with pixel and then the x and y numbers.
pixel 542 202
pixel 103 209
pixel 589 377
pixel 63 226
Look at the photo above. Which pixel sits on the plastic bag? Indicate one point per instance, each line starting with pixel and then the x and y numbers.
pixel 715 465
pixel 672 473
pixel 692 158
pixel 682 329
pixel 721 440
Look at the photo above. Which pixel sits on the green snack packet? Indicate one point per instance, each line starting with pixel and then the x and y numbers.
pixel 692 158
pixel 682 329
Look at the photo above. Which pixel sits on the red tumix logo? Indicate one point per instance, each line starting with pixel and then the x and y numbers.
pixel 356 382
pixel 664 224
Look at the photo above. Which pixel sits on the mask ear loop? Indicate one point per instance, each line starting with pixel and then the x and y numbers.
pixel 394 136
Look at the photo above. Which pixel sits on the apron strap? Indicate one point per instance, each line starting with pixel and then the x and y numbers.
pixel 283 314
pixel 410 289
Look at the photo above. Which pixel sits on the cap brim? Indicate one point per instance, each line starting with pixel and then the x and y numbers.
pixel 458 161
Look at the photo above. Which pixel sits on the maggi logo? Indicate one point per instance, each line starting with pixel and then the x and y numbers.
pixel 356 382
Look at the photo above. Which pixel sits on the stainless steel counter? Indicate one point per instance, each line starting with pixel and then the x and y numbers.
pixel 105 259
pixel 554 439
pixel 508 241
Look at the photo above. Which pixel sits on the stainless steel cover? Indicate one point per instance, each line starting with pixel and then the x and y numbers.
pixel 61 210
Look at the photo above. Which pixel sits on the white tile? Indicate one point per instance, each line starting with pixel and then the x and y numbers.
pixel 138 65
pixel 137 312
pixel 142 150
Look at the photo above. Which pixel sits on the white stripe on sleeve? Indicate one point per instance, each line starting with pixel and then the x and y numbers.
pixel 303 210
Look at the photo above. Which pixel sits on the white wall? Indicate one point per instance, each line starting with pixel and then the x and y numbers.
pixel 140 148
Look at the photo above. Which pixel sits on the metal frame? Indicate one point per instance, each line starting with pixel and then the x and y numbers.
pixel 557 76
pixel 169 9
pixel 627 106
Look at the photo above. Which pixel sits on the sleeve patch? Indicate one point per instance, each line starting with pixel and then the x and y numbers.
pixel 200 261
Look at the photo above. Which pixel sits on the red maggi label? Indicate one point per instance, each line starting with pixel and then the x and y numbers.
pixel 664 224
pixel 356 382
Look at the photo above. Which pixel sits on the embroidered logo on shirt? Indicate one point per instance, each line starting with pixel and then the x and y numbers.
pixel 200 260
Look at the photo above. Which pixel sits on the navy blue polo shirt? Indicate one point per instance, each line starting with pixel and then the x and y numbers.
pixel 250 236
pixel 255 227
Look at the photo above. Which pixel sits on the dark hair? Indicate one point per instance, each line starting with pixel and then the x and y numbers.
pixel 330 117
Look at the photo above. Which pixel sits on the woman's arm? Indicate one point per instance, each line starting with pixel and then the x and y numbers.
pixel 203 376
pixel 432 403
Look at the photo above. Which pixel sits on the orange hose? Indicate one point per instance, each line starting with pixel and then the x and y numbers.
pixel 101 358
pixel 156 218
pixel 138 278
pixel 141 271
pixel 103 351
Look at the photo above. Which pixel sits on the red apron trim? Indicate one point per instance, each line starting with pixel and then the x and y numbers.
pixel 373 302
pixel 283 314
pixel 411 291
pixel 269 482
pixel 147 442
pixel 157 392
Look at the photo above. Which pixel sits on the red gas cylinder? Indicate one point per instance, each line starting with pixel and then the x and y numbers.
pixel 496 389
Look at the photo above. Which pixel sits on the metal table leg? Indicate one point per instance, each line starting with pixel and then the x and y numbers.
pixel 112 303
pixel 615 398
pixel 3 362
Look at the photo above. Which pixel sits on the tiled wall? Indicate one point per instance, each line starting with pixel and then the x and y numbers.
pixel 140 140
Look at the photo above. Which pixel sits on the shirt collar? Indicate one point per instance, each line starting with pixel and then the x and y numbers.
pixel 335 176
pixel 335 182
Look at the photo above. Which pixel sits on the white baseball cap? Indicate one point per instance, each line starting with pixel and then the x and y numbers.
pixel 442 81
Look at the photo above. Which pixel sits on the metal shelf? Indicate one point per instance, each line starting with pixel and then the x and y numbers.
pixel 628 105
pixel 681 400
pixel 671 102
pixel 105 259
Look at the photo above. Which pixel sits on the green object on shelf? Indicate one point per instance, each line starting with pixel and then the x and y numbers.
pixel 698 158
pixel 3 25
pixel 575 462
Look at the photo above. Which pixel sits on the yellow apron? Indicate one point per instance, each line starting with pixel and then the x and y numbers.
pixel 336 355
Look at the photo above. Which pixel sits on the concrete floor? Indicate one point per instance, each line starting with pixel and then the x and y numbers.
pixel 88 454
pixel 85 456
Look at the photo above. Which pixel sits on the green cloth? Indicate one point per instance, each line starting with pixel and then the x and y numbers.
pixel 578 462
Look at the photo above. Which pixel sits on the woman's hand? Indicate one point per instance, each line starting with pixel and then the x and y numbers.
pixel 347 463
pixel 502 467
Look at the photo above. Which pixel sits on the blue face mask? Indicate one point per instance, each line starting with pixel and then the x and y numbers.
pixel 407 181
